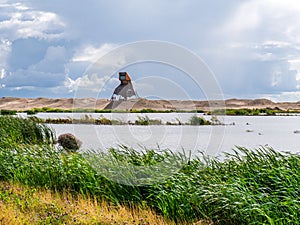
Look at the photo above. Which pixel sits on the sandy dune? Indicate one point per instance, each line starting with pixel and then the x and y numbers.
pixel 91 103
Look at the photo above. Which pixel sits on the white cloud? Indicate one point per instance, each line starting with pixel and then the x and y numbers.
pixel 2 73
pixel 261 19
pixel 24 22
pixel 5 49
pixel 274 44
pixel 295 65
pixel 88 83
pixel 291 96
pixel 18 5
pixel 276 78
pixel 91 53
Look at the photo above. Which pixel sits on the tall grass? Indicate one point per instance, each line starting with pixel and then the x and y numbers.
pixel 248 187
pixel 24 131
pixel 136 168
pixel 260 187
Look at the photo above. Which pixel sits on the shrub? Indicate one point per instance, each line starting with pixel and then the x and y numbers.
pixel 69 142
pixel 102 120
pixel 197 120
pixel 142 120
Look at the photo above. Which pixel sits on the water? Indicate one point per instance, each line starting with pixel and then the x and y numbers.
pixel 248 131
pixel 164 117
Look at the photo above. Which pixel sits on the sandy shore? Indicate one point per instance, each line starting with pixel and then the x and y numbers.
pixel 91 103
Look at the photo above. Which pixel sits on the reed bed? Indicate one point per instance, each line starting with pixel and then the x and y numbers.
pixel 24 131
pixel 141 120
pixel 259 186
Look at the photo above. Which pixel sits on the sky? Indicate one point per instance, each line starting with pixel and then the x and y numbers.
pixel 251 47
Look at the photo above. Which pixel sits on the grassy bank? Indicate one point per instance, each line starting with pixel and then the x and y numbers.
pixel 248 187
pixel 21 204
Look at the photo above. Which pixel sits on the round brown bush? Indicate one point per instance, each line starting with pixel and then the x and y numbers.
pixel 69 142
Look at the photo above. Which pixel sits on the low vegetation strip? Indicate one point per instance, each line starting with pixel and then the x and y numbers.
pixel 248 187
pixel 267 111
pixel 141 120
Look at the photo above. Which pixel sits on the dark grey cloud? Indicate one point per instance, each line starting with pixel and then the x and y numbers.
pixel 36 64
pixel 26 52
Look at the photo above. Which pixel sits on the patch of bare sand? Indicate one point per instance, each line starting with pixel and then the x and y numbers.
pixel 62 103
pixel 138 104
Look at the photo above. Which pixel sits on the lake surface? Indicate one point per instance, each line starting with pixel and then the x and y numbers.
pixel 248 131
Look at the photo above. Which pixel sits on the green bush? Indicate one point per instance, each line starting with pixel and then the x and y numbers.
pixel 142 120
pixel 197 120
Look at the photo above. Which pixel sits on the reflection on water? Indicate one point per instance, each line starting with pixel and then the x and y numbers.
pixel 275 131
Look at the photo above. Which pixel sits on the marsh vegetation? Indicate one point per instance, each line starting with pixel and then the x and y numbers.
pixel 258 186
pixel 142 120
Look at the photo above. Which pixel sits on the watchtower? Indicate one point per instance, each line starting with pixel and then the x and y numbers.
pixel 125 90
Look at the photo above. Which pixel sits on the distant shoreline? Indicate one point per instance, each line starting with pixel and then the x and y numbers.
pixel 22 104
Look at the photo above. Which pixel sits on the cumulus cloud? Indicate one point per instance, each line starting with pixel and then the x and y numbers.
pixel 89 84
pixel 5 48
pixel 2 73
pixel 295 65
pixel 29 58
pixel 91 53
pixel 20 21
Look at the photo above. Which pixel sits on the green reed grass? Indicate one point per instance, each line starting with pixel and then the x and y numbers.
pixel 258 186
pixel 250 187
pixel 24 131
